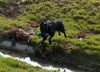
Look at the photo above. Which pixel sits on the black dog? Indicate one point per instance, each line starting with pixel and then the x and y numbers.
pixel 50 27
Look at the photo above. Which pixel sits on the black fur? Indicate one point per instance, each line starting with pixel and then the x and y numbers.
pixel 51 27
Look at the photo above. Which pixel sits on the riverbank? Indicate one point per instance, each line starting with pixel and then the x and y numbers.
pixel 10 64
pixel 81 18
pixel 76 61
pixel 30 62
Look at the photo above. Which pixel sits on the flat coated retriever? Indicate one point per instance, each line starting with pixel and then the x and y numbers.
pixel 50 27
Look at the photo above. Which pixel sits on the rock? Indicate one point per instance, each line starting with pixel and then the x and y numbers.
pixel 5 44
pixel 16 46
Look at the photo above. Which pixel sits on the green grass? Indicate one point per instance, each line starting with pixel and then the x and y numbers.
pixel 66 12
pixel 77 16
pixel 10 65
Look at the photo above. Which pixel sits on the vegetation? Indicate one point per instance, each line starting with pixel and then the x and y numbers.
pixel 78 16
pixel 10 65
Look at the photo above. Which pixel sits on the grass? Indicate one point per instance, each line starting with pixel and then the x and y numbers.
pixel 77 16
pixel 10 65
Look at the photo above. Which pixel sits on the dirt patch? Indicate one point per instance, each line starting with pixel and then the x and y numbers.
pixel 11 10
pixel 19 33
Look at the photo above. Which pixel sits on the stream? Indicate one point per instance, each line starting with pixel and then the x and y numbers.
pixel 22 49
pixel 34 63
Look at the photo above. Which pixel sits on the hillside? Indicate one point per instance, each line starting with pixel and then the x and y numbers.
pixel 80 18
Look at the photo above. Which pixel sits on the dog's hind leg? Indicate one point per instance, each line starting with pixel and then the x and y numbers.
pixel 59 32
pixel 63 31
pixel 64 34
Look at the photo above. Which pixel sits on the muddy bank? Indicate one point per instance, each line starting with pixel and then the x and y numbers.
pixel 61 60
pixel 36 64
pixel 26 53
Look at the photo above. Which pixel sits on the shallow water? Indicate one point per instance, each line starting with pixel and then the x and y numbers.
pixel 34 63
